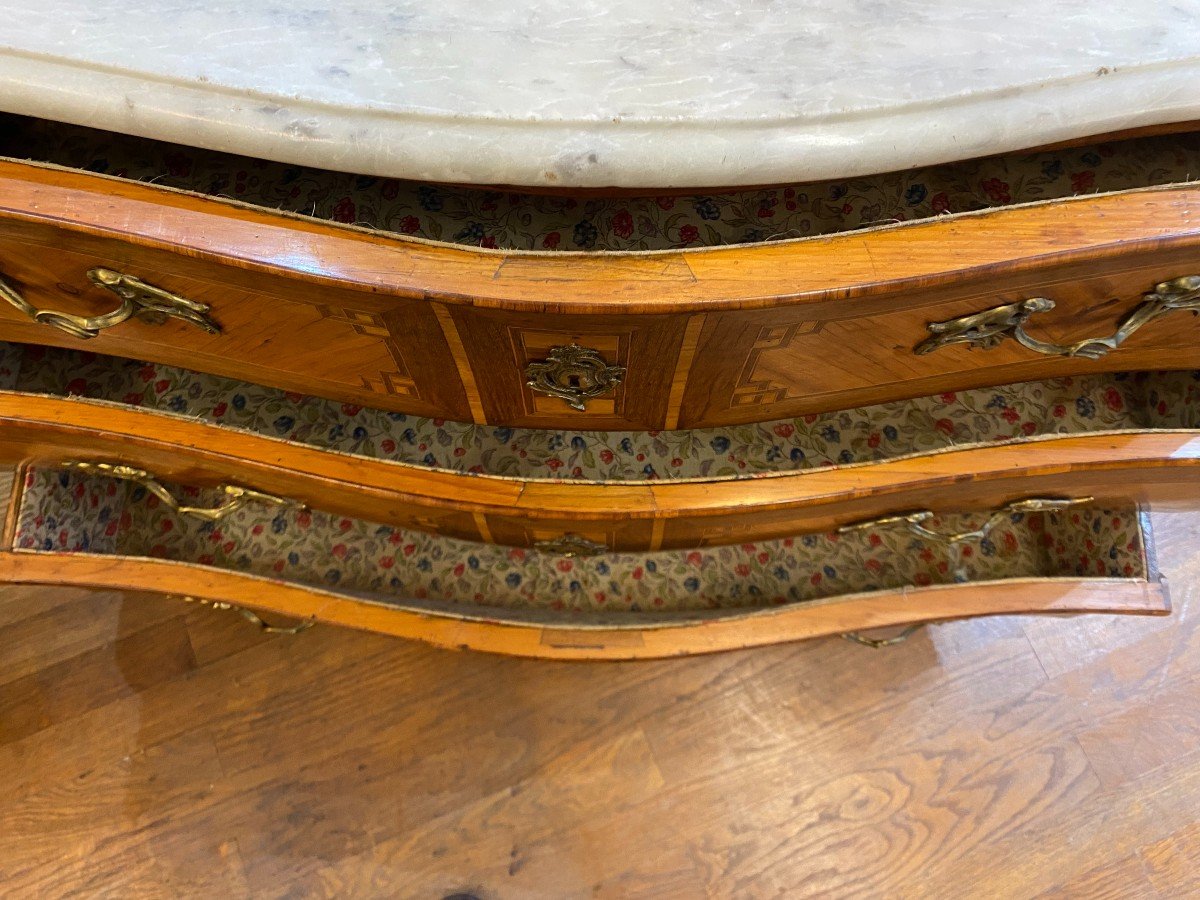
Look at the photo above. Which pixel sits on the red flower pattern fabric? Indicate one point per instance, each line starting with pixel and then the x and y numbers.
pixel 73 512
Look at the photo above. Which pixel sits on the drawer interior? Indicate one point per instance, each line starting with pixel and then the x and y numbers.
pixel 590 222
pixel 70 511
pixel 1025 412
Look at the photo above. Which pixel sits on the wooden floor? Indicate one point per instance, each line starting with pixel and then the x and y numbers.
pixel 149 748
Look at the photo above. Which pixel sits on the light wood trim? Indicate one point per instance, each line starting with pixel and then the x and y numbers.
pixel 462 363
pixel 914 256
pixel 808 620
pixel 1159 467
pixel 683 367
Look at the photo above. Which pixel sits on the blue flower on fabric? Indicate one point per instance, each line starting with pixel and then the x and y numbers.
pixel 915 194
pixel 284 424
pixel 1052 169
pixel 706 208
pixel 890 432
pixel 512 579
pixel 238 402
pixel 1085 407
pixel 429 198
pixel 692 584
pixel 585 234
pixel 720 444
pixel 472 234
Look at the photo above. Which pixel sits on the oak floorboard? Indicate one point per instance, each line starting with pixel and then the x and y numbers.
pixel 155 749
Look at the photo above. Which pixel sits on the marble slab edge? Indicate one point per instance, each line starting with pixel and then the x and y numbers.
pixel 644 153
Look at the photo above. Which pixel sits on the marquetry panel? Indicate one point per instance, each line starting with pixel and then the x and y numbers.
pixel 387 352
pixel 776 363
pixel 500 345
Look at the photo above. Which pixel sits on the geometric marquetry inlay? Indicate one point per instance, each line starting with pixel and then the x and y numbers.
pixel 758 385
pixel 397 382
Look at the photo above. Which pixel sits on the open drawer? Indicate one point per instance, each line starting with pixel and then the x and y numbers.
pixel 618 313
pixel 90 524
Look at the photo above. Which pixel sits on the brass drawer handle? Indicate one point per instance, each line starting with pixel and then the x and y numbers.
pixel 879 643
pixel 991 327
pixel 253 617
pixel 145 301
pixel 575 374
pixel 234 497
pixel 913 521
pixel 570 546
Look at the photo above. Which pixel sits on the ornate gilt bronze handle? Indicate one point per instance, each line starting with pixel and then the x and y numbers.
pixel 878 643
pixel 234 497
pixel 914 521
pixel 138 299
pixel 575 374
pixel 253 617
pixel 991 327
pixel 570 546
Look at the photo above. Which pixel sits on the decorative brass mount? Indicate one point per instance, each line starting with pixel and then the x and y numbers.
pixel 138 299
pixel 253 617
pixel 234 497
pixel 575 374
pixel 914 521
pixel 989 328
pixel 570 546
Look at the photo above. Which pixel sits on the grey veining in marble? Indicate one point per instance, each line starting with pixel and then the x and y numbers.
pixel 636 93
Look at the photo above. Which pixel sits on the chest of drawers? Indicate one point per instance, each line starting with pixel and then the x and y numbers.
pixel 603 423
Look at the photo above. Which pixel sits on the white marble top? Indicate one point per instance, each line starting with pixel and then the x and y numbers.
pixel 636 93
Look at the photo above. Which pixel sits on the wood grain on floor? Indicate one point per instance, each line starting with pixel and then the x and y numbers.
pixel 150 748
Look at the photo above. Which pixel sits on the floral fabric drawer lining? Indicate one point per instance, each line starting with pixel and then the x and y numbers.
pixel 74 512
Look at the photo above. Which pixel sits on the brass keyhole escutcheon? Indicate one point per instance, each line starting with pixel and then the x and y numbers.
pixel 575 374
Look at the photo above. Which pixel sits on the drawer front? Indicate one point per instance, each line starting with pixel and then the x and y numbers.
pixel 611 341
pixel 387 352
pixel 755 366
